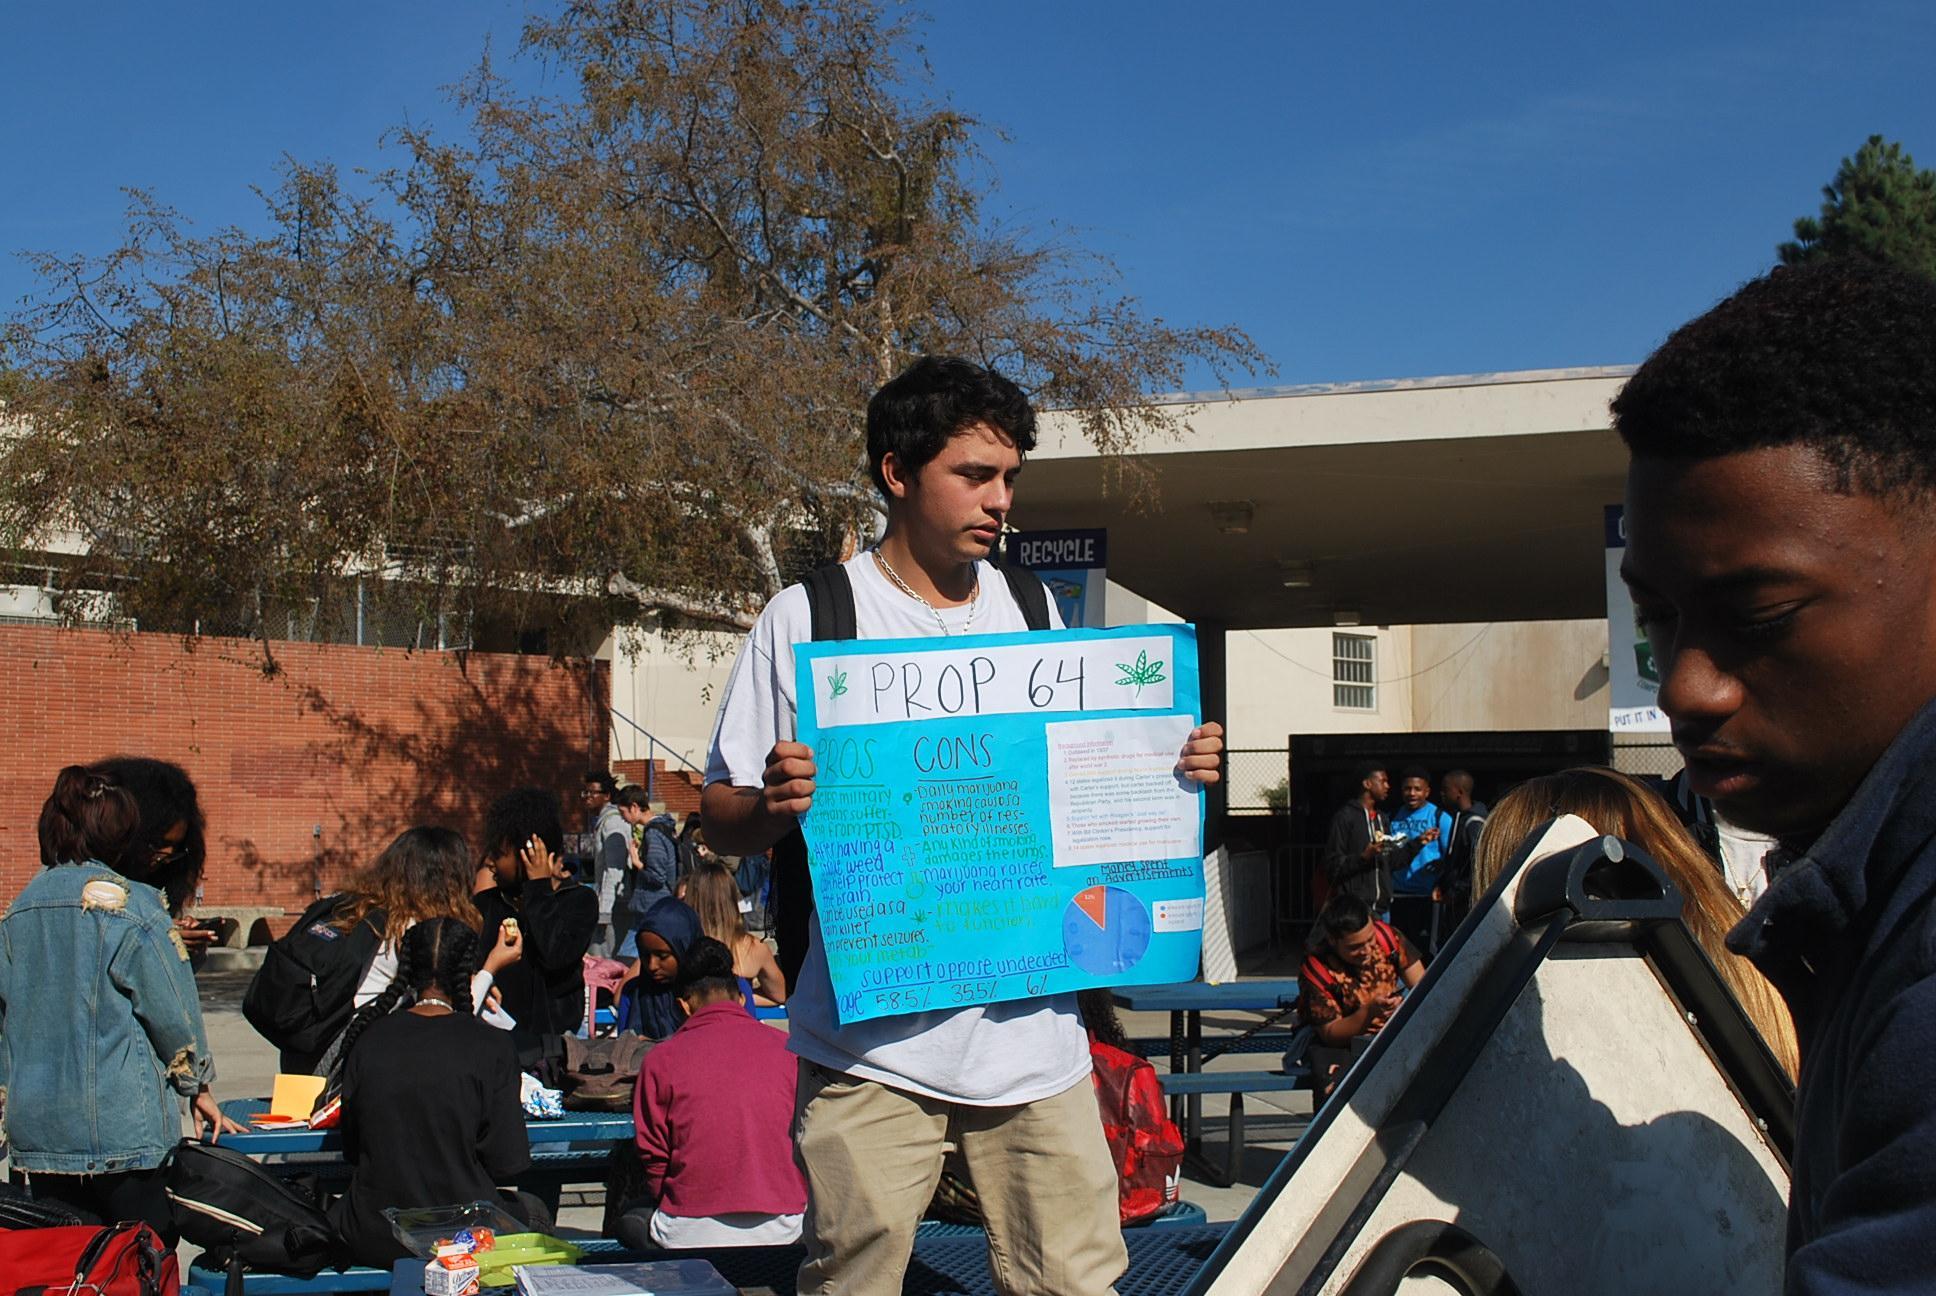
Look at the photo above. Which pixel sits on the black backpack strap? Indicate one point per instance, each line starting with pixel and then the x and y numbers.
pixel 830 602
pixel 1031 595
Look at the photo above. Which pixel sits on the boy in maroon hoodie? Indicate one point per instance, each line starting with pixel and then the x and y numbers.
pixel 714 1115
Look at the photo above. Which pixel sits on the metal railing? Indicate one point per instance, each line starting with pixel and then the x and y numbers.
pixel 653 746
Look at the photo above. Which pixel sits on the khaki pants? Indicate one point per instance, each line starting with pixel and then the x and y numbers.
pixel 872 1156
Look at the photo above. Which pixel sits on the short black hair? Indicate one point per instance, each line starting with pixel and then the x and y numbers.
pixel 913 414
pixel 630 795
pixel 1416 772
pixel 1366 770
pixel 1343 914
pixel 1836 355
pixel 606 783
pixel 518 816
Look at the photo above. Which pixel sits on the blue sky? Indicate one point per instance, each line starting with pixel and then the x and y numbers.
pixel 1371 191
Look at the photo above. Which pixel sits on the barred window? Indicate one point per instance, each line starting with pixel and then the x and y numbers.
pixel 1354 684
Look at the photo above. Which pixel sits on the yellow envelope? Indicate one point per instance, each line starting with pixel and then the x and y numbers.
pixel 295 1095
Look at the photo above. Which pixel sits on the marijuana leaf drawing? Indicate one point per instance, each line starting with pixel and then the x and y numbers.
pixel 837 684
pixel 1143 672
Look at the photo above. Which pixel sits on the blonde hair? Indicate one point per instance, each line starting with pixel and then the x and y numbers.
pixel 714 896
pixel 1619 804
pixel 425 873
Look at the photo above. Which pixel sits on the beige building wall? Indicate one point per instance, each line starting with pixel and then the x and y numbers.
pixel 1509 675
pixel 671 688
pixel 1280 683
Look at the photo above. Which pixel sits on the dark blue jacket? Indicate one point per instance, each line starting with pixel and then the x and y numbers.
pixel 1847 933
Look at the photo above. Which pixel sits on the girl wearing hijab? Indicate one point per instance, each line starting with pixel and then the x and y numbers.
pixel 647 1003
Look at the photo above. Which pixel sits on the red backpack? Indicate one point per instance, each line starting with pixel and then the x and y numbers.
pixel 1145 1144
pixel 126 1259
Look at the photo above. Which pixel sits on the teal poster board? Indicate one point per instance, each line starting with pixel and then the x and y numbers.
pixel 999 816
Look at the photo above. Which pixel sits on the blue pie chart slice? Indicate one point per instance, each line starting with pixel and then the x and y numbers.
pixel 1105 930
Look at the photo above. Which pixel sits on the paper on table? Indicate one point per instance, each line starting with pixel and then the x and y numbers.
pixel 295 1095
pixel 1115 795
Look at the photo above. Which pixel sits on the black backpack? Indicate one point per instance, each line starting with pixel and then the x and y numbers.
pixel 830 598
pixel 303 994
pixel 242 1216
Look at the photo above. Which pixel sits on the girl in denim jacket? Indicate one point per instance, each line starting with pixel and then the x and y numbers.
pixel 100 1026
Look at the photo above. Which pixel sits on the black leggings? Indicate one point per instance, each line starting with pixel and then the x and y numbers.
pixel 109 1198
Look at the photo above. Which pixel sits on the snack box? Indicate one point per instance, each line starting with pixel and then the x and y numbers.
pixel 451 1275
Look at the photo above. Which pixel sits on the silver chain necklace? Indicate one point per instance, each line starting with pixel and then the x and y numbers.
pixel 974 596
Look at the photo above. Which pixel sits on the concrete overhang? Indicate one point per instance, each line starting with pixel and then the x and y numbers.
pixel 1460 499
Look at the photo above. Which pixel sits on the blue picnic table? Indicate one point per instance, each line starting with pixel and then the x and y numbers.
pixel 575 1127
pixel 1186 1002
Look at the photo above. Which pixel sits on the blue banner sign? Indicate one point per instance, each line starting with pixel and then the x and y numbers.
pixel 1072 564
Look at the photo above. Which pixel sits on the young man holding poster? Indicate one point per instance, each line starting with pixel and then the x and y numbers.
pixel 1007 1082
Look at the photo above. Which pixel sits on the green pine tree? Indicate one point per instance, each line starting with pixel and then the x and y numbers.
pixel 1881 206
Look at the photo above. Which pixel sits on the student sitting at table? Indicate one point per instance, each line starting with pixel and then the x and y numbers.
pixel 714 896
pixel 430 1098
pixel 648 1002
pixel 557 916
pixel 714 1114
pixel 1350 984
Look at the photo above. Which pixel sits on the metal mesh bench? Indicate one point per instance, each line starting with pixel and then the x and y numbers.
pixel 1180 1214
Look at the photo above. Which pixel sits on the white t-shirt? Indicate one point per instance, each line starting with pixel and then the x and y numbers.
pixel 383 970
pixel 698 1232
pixel 1743 860
pixel 995 1055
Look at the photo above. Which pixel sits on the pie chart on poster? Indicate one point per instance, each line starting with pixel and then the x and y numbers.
pixel 1105 930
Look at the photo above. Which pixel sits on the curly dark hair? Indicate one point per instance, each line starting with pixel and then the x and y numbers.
pixel 518 816
pixel 166 797
pixel 915 413
pixel 1839 356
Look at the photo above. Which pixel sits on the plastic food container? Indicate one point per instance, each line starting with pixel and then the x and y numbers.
pixel 420 1230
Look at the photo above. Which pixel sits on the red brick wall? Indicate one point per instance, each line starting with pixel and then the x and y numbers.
pixel 364 742
pixel 678 788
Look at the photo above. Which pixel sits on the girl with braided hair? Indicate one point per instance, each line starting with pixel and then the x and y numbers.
pixel 430 1097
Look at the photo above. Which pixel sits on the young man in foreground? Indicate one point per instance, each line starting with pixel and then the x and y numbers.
pixel 1781 531
pixel 1009 1083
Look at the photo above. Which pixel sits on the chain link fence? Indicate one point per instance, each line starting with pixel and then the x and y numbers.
pixel 1260 779
pixel 369 613
pixel 1658 759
